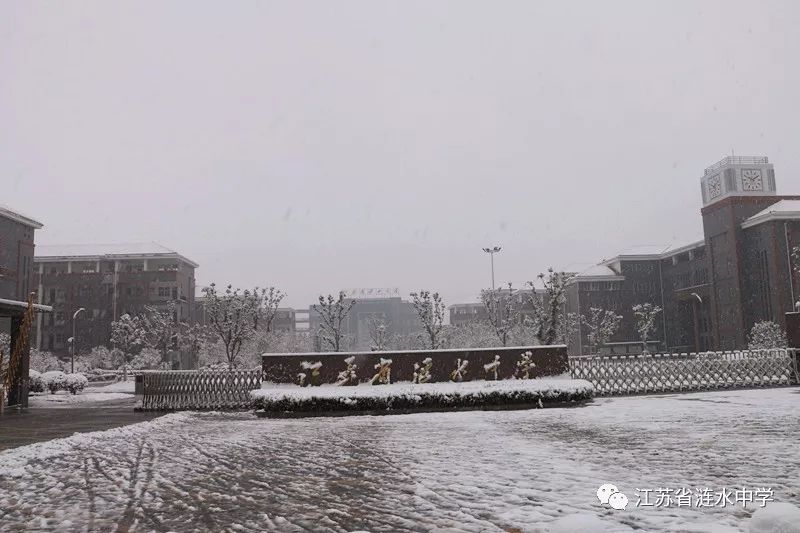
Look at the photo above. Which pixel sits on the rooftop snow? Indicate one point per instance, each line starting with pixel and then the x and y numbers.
pixel 597 271
pixel 105 250
pixel 7 212
pixel 781 210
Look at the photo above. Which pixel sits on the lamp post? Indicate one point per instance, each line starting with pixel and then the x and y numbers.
pixel 491 252
pixel 74 317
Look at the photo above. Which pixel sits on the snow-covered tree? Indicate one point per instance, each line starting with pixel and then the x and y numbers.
pixel 162 330
pixel 348 376
pixel 149 359
pixel 284 342
pixel 491 368
pixel 100 357
pixel 478 334
pixel 333 312
pixel 766 335
pixel 268 301
pixel 230 316
pixel 547 318
pixel 384 374
pixel 193 337
pixel 42 361
pixel 431 311
pixel 128 337
pixel 422 371
pixel 602 324
pixel 378 331
pixel 525 365
pixel 460 371
pixel 503 312
pixel 645 315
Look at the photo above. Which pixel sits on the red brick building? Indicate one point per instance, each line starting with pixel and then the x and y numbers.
pixel 108 281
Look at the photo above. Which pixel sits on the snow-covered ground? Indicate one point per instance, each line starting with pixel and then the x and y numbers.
pixel 536 470
pixel 115 391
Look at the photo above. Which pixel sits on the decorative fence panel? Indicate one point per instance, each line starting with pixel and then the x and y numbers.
pixel 196 389
pixel 636 374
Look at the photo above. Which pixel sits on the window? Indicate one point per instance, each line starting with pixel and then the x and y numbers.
pixel 163 292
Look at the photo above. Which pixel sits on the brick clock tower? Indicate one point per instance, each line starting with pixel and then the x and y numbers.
pixel 747 243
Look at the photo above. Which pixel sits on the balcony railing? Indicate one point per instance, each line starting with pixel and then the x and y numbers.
pixel 737 160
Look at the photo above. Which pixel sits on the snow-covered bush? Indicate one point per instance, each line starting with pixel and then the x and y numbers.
pixel 422 372
pixel 75 383
pixel 348 376
pixel 44 361
pixel 525 365
pixel 404 397
pixel 491 368
pixel 147 359
pixel 460 371
pixel 312 372
pixel 35 381
pixel 766 335
pixel 384 375
pixel 54 380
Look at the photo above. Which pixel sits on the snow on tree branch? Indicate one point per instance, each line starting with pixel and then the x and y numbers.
pixel 430 309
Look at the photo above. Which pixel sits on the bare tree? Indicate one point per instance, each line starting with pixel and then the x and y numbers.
pixel 502 311
pixel 602 325
pixel 377 328
pixel 645 315
pixel 430 309
pixel 268 301
pixel 230 316
pixel 333 312
pixel 548 312
pixel 128 337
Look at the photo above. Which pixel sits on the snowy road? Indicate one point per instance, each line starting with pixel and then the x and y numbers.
pixel 474 471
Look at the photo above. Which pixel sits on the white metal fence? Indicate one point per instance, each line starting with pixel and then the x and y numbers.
pixel 636 374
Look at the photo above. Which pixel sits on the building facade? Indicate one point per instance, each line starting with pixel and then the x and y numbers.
pixel 16 254
pixel 712 291
pixel 107 281
pixel 371 305
pixel 16 275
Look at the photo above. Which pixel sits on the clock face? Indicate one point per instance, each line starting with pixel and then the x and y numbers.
pixel 714 186
pixel 751 180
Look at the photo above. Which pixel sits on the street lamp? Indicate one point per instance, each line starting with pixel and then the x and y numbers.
pixel 491 252
pixel 74 317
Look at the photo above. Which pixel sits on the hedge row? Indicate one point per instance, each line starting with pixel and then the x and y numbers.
pixel 412 398
pixel 55 380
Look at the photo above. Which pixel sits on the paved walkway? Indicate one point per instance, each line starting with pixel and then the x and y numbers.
pixel 19 427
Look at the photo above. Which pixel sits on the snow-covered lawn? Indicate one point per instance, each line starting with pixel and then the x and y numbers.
pixel 406 395
pixel 535 470
pixel 115 391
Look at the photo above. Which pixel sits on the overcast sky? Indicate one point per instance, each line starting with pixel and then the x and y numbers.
pixel 324 145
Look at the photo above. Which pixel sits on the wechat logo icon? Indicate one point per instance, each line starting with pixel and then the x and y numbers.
pixel 608 494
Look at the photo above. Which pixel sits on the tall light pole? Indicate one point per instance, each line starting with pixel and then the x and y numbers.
pixel 74 317
pixel 491 252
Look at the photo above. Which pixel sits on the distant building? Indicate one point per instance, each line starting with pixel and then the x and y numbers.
pixel 108 281
pixel 711 291
pixel 466 313
pixel 284 317
pixel 386 305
